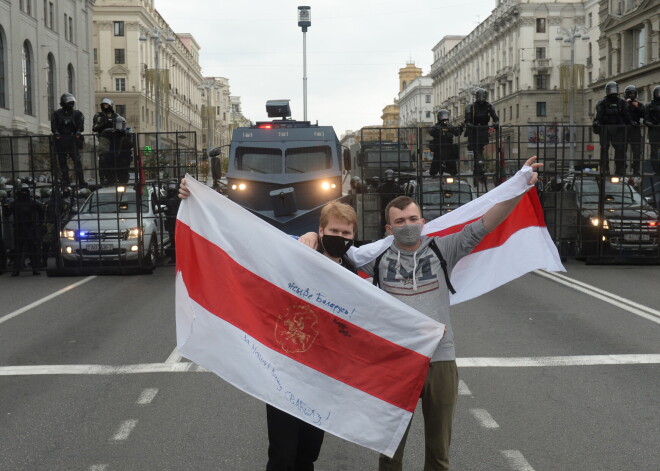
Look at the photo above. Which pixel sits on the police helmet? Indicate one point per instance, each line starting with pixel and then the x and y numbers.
pixel 106 101
pixel 630 92
pixel 24 189
pixel 612 88
pixel 656 92
pixel 45 192
pixel 84 192
pixel 389 175
pixel 120 123
pixel 66 192
pixel 443 115
pixel 3 194
pixel 67 98
pixel 481 94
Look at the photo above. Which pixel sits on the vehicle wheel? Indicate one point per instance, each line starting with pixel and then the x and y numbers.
pixel 152 253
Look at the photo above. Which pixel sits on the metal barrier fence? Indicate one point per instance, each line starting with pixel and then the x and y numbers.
pixel 600 192
pixel 97 206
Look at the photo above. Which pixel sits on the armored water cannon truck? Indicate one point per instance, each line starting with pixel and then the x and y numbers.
pixel 284 170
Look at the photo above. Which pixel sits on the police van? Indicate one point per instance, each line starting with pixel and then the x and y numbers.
pixel 285 171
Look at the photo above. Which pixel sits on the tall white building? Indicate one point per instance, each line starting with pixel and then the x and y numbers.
pixel 416 104
pixel 45 51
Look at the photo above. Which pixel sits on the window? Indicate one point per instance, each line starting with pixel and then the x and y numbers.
pixel 119 56
pixel 428 98
pixel 307 159
pixel 121 110
pixel 217 111
pixel 540 53
pixel 118 28
pixel 541 82
pixel 96 56
pixel 640 46
pixel 50 83
pixel 70 80
pixel 26 6
pixel 70 29
pixel 540 25
pixel 249 159
pixel 517 110
pixel 590 20
pixel 66 30
pixel 27 78
pixel 428 114
pixel 120 84
pixel 540 108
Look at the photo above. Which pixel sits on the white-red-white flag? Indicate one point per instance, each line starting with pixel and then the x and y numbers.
pixel 290 327
pixel 517 246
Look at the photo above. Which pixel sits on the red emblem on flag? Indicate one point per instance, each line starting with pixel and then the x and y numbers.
pixel 296 329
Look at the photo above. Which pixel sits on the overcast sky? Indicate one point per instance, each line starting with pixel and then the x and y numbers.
pixel 355 49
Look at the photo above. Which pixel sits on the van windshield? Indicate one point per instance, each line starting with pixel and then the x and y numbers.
pixel 259 160
pixel 308 159
pixel 113 203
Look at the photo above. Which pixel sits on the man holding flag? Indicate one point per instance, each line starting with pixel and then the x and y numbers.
pixel 417 269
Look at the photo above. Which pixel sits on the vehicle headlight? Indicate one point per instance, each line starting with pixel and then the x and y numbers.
pixel 68 234
pixel 134 233
pixel 239 186
pixel 596 223
pixel 328 185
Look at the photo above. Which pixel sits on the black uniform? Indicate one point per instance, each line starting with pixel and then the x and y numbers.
pixel 67 126
pixel 109 146
pixel 652 121
pixel 27 228
pixel 612 117
pixel 445 152
pixel 388 190
pixel 477 116
pixel 173 202
pixel 634 132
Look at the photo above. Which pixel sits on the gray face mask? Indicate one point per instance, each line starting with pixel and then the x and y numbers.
pixel 408 234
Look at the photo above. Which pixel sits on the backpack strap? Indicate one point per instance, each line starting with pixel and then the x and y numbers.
pixel 436 250
pixel 376 277
pixel 443 263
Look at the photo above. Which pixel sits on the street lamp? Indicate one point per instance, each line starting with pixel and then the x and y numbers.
pixel 569 36
pixel 304 21
pixel 156 36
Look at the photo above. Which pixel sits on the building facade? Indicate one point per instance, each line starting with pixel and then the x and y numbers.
pixel 45 51
pixel 152 75
pixel 416 104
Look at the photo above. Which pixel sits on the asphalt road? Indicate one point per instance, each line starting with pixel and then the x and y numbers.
pixel 554 376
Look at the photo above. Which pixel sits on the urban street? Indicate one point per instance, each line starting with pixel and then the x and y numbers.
pixel 559 371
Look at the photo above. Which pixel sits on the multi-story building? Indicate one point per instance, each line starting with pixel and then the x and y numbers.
pixel 520 54
pixel 415 103
pixel 236 118
pixel 151 74
pixel 45 51
pixel 216 112
pixel 628 48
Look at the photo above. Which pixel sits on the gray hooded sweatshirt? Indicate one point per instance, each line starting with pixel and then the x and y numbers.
pixel 417 279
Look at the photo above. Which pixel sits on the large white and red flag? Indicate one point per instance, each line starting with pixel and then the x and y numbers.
pixel 517 246
pixel 290 327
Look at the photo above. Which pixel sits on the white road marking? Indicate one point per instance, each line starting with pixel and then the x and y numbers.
pixel 125 429
pixel 147 396
pixel 517 460
pixel 174 356
pixel 189 367
pixel 41 301
pixel 484 418
pixel 463 390
pixel 578 360
pixel 98 467
pixel 626 304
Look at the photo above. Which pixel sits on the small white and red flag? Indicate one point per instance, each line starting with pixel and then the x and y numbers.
pixel 517 246
pixel 294 329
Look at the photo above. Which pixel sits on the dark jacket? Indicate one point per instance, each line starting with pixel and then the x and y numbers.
pixel 67 122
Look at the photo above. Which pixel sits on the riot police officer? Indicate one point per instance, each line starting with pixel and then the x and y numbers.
pixel 634 132
pixel 172 201
pixel 445 152
pixel 388 190
pixel 477 117
pixel 612 117
pixel 652 121
pixel 67 125
pixel 110 127
pixel 27 227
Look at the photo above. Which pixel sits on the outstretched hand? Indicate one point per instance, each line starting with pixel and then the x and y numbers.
pixel 184 192
pixel 531 163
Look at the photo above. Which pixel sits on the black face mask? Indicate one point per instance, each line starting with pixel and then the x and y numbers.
pixel 336 246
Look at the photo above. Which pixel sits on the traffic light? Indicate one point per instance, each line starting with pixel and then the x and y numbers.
pixel 146 151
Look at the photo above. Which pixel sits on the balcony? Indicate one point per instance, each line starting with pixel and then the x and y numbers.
pixel 541 66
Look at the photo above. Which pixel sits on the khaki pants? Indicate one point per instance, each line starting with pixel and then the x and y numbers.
pixel 439 396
